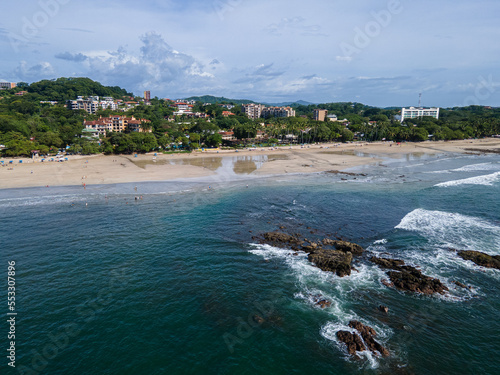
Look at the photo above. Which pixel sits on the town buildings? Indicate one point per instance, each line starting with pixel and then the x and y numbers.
pixel 255 111
pixel 117 124
pixel 320 114
pixel 413 112
pixel 92 104
pixel 252 110
pixel 277 112
pixel 7 85
pixel 147 96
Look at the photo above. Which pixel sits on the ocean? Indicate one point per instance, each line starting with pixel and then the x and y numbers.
pixel 167 277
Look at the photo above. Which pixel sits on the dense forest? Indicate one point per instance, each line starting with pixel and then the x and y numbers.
pixel 26 123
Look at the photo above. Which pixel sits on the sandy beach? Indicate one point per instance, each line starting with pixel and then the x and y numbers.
pixel 112 169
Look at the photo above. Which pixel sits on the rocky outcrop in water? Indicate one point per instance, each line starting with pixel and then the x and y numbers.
pixel 354 342
pixel 332 260
pixel 280 239
pixel 409 278
pixel 320 301
pixel 367 333
pixel 384 309
pixel 355 249
pixel 327 254
pixel 481 259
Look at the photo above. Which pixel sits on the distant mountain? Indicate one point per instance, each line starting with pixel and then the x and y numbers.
pixel 214 99
pixel 289 104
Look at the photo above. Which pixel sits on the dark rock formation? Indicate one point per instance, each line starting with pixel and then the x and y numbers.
pixel 344 246
pixel 384 309
pixel 481 259
pixel 485 151
pixel 356 344
pixel 323 303
pixel 281 239
pixel 311 247
pixel 415 281
pixel 387 283
pixel 326 254
pixel 320 301
pixel 332 260
pixel 461 285
pixel 408 278
pixel 258 319
pixel 367 334
pixel 346 173
pixel 352 340
pixel 393 264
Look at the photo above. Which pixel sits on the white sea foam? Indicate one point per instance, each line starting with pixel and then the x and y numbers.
pixel 383 241
pixel 446 171
pixel 478 167
pixel 486 180
pixel 453 229
pixel 302 268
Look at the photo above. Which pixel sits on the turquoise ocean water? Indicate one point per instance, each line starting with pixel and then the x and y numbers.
pixel 171 283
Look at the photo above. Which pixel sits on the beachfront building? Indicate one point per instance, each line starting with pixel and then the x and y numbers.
pixel 252 110
pixel 420 112
pixel 117 124
pixel 320 114
pixel 277 112
pixel 227 135
pixel 7 85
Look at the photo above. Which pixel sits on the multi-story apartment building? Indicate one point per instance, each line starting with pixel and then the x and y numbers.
pixel 147 96
pixel 89 105
pixel 92 104
pixel 7 85
pixel 253 111
pixel 117 124
pixel 413 112
pixel 277 112
pixel 108 103
pixel 320 114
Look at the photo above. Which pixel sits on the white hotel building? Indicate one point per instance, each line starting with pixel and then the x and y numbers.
pixel 413 112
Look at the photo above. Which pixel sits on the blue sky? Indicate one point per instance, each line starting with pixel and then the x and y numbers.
pixel 381 53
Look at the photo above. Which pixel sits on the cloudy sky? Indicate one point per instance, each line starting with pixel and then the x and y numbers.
pixel 377 52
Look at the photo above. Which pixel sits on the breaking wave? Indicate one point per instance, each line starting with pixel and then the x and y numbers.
pixel 452 229
pixel 486 180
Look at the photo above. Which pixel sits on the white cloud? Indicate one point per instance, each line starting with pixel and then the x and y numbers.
pixel 156 66
pixel 39 71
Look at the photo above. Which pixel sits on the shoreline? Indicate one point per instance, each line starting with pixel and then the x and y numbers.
pixel 220 165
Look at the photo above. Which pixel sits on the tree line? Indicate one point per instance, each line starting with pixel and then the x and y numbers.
pixel 26 124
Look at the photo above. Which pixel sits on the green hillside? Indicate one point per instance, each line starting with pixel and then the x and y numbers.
pixel 62 89
pixel 214 100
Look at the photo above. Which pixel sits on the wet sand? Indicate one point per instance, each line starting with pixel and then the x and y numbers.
pixel 101 169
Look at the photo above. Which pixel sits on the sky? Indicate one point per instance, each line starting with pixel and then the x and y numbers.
pixel 376 52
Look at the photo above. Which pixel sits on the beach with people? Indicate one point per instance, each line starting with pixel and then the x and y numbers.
pixel 99 169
